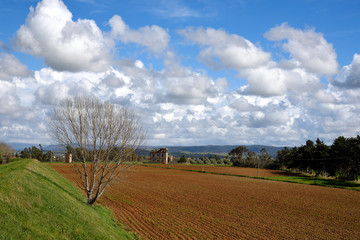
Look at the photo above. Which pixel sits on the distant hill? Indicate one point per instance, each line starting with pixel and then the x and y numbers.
pixel 21 146
pixel 57 148
pixel 196 151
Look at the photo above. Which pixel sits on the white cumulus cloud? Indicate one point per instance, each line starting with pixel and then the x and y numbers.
pixel 224 50
pixel 307 47
pixel 153 37
pixel 9 101
pixel 274 102
pixel 11 67
pixel 274 81
pixel 349 76
pixel 65 45
pixel 185 86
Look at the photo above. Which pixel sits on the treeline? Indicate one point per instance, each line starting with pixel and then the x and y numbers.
pixel 340 160
pixel 128 155
pixel 242 157
pixel 212 159
pixel 239 156
pixel 48 156
pixel 37 153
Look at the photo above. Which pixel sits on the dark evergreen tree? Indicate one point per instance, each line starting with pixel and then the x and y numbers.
pixel 182 159
pixel 340 160
pixel 236 155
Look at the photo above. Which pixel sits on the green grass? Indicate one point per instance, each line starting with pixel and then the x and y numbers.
pixel 37 203
pixel 319 182
pixel 325 182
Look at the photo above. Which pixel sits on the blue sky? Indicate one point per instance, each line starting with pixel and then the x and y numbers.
pixel 196 72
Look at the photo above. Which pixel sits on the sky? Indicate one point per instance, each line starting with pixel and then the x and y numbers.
pixel 197 72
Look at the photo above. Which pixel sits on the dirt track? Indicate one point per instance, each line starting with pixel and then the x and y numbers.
pixel 162 203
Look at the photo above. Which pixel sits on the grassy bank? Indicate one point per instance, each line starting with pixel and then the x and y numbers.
pixel 37 203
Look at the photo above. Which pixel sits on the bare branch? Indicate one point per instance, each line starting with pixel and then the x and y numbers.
pixel 101 138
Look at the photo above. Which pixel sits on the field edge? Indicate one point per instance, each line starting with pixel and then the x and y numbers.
pixel 307 180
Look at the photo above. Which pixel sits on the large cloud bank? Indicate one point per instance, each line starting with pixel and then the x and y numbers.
pixel 283 102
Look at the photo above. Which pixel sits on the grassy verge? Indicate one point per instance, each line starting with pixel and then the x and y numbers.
pixel 291 179
pixel 319 182
pixel 37 203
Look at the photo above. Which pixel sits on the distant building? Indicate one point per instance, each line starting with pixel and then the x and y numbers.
pixel 68 158
pixel 161 156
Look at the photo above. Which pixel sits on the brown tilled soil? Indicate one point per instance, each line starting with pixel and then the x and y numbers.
pixel 253 172
pixel 160 203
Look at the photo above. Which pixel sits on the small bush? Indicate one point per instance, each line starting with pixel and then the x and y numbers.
pixel 199 161
pixel 220 161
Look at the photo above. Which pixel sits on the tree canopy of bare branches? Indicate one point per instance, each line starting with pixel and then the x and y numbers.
pixel 101 137
pixel 5 152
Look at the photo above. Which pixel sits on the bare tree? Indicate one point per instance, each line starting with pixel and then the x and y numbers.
pixel 5 152
pixel 101 137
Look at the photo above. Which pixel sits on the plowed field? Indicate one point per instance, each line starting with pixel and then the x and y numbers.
pixel 253 172
pixel 161 203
